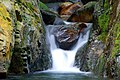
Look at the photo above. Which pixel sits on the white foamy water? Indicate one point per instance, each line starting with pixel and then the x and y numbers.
pixel 63 60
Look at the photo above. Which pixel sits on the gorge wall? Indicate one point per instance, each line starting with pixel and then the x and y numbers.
pixel 102 53
pixel 108 62
pixel 22 37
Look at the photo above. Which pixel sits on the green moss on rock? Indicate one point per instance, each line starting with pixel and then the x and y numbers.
pixel 107 64
pixel 103 21
pixel 116 49
pixel 22 36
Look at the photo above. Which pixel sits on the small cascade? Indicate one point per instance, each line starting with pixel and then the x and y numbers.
pixel 63 60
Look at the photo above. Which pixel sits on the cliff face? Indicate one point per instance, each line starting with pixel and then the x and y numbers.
pixel 109 23
pixel 6 35
pixel 104 48
pixel 22 37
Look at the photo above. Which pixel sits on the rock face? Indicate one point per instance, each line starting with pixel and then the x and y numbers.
pixel 109 25
pixel 83 14
pixel 111 28
pixel 102 53
pixel 22 38
pixel 6 35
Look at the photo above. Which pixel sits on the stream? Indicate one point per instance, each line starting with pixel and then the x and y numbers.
pixel 55 76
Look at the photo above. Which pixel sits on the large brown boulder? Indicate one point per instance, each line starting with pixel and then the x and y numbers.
pixel 83 14
pixel 68 8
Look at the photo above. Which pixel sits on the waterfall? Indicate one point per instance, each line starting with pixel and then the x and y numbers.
pixel 63 60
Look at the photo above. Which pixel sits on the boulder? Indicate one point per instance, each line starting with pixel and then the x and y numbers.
pixel 68 8
pixel 66 37
pixel 81 27
pixel 83 14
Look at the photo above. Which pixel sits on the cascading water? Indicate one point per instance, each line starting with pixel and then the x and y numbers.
pixel 63 60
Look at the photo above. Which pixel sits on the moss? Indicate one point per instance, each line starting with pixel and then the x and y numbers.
pixel 111 36
pixel 116 45
pixel 103 21
pixel 116 48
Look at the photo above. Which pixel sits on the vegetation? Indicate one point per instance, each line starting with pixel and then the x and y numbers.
pixel 103 21
pixel 116 49
pixel 110 35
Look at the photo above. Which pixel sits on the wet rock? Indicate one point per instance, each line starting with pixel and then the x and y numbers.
pixel 29 50
pixel 68 8
pixel 53 6
pixel 83 14
pixel 81 27
pixel 110 36
pixel 66 37
pixel 47 17
pixel 50 18
pixel 65 4
pixel 80 59
pixel 94 52
pixel 6 30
